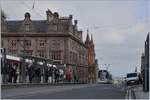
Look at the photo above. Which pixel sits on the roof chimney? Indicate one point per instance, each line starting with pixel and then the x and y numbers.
pixel 75 22
pixel 50 15
pixel 70 16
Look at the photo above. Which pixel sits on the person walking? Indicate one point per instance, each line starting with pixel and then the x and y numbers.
pixel 39 75
pixel 69 75
pixel 140 78
pixel 10 76
pixel 14 73
pixel 50 73
pixel 46 75
pixel 56 75
pixel 30 72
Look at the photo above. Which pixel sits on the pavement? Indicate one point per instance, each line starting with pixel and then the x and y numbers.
pixel 76 91
pixel 139 93
pixel 136 92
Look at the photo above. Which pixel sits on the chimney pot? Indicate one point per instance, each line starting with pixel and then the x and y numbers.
pixel 76 21
pixel 70 16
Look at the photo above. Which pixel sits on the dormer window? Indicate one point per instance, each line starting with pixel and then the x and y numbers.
pixel 27 22
pixel 27 28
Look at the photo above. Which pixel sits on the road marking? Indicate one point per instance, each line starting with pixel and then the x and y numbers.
pixel 127 93
pixel 130 97
pixel 122 89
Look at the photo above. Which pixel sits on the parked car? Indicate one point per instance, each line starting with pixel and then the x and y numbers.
pixel 132 78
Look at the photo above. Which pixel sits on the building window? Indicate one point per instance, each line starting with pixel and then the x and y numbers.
pixel 56 55
pixel 28 52
pixel 27 28
pixel 41 53
pixel 56 44
pixel 54 27
pixel 41 43
pixel 13 43
pixel 28 43
pixel 2 43
pixel 12 52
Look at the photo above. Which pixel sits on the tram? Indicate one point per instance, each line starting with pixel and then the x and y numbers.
pixel 104 77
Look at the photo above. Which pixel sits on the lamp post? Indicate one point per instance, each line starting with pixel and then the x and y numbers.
pixel 52 72
pixel 64 72
pixel 23 67
pixel 3 65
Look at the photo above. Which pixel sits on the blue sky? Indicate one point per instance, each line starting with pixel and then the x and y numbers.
pixel 119 27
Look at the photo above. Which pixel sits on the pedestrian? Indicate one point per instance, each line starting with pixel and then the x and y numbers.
pixel 46 75
pixel 69 76
pixel 140 78
pixel 30 72
pixel 75 79
pixel 10 76
pixel 50 72
pixel 14 73
pixel 56 75
pixel 39 75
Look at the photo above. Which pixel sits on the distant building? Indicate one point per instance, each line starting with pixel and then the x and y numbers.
pixel 92 64
pixel 55 38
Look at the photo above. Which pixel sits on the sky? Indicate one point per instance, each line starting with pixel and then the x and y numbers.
pixel 119 27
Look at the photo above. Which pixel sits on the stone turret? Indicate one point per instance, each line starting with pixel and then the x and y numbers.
pixel 91 58
pixel 50 15
pixel 27 17
pixel 87 38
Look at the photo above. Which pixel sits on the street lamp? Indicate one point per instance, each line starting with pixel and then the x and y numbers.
pixel 3 65
pixel 64 76
pixel 23 76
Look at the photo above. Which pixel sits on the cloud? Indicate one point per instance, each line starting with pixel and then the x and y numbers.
pixel 112 35
pixel 140 26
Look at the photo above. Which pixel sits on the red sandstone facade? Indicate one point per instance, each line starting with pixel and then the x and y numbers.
pixel 92 65
pixel 55 38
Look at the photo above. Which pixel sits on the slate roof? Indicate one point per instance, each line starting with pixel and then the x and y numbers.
pixel 39 25
pixel 13 26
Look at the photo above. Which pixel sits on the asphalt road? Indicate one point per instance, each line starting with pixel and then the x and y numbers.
pixel 84 91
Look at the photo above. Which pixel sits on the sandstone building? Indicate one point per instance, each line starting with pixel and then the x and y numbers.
pixel 92 63
pixel 55 38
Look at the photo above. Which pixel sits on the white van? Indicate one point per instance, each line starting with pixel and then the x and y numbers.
pixel 132 78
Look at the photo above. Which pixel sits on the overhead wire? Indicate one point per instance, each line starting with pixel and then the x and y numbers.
pixel 32 9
